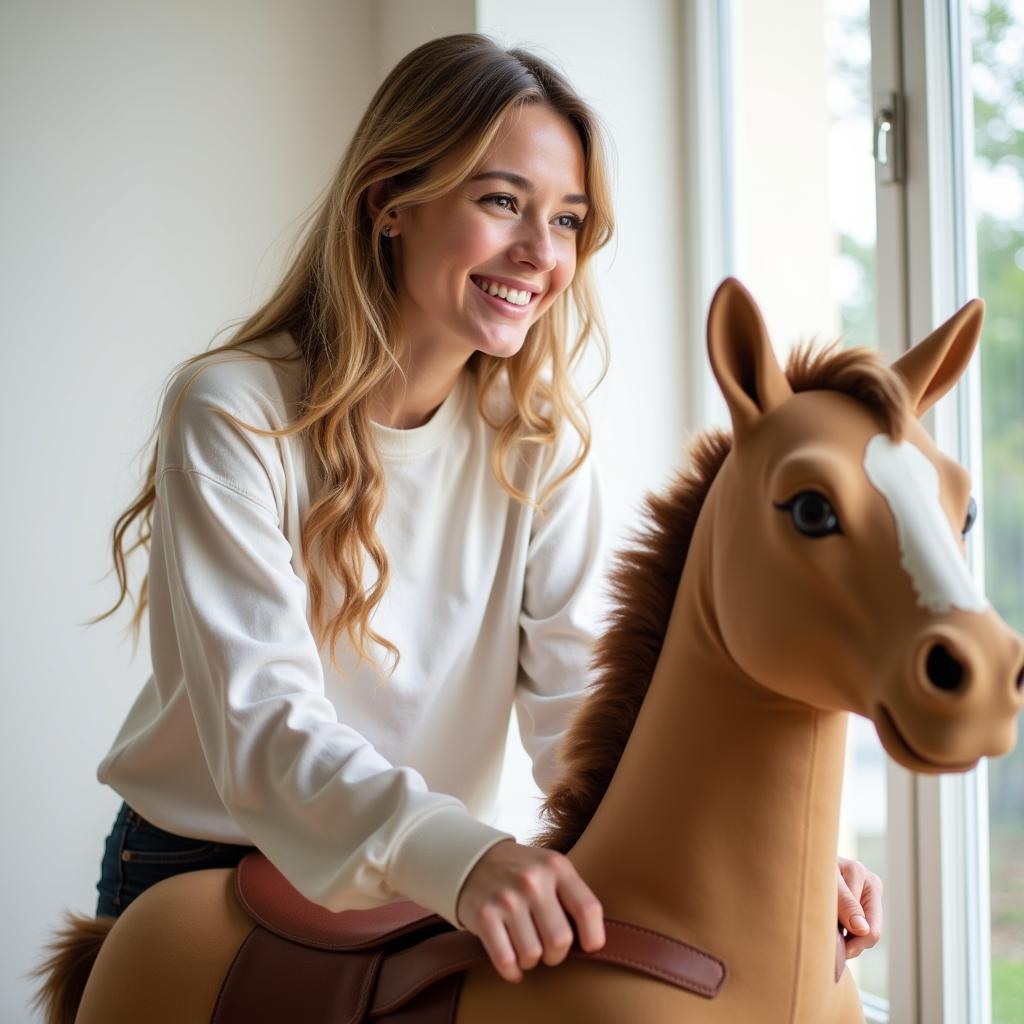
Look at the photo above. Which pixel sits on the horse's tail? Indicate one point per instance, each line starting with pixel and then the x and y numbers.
pixel 65 971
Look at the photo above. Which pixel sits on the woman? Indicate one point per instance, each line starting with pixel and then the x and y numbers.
pixel 393 436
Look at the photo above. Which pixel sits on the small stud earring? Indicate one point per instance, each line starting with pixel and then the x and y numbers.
pixel 387 230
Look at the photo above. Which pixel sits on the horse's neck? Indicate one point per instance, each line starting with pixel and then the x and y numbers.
pixel 720 824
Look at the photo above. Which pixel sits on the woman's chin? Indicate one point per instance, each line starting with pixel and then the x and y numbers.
pixel 501 347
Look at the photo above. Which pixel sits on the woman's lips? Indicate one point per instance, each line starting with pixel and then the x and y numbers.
pixel 511 311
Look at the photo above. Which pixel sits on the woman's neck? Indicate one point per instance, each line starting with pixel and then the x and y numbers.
pixel 411 398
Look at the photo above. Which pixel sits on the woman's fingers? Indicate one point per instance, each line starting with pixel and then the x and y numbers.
pixel 870 898
pixel 521 929
pixel 515 900
pixel 492 933
pixel 860 906
pixel 851 915
pixel 548 913
pixel 584 907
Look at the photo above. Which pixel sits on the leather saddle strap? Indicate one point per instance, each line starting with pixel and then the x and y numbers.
pixel 408 972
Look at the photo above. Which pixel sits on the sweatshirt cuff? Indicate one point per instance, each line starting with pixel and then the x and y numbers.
pixel 435 856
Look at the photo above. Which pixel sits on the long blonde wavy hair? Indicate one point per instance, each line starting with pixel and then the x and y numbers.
pixel 446 99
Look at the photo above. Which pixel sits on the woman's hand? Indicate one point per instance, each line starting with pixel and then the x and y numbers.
pixel 515 901
pixel 860 906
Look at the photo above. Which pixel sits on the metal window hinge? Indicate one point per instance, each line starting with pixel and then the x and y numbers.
pixel 890 136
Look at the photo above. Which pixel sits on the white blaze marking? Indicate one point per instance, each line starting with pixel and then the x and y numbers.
pixel 928 549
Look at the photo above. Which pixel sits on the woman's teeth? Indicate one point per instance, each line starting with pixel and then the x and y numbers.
pixel 512 295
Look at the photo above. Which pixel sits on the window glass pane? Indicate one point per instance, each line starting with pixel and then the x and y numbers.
pixel 997 81
pixel 805 243
pixel 852 216
pixel 851 168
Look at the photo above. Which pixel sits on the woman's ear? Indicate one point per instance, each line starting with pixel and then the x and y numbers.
pixel 376 199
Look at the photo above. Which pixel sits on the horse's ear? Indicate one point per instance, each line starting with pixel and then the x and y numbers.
pixel 742 358
pixel 934 365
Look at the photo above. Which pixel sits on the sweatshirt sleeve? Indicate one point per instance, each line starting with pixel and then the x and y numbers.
pixel 347 828
pixel 562 605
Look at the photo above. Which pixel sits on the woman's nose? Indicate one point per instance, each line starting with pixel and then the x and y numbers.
pixel 533 245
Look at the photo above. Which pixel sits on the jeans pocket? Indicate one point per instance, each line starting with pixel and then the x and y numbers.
pixel 138 855
pixel 110 886
pixel 169 857
pixel 146 844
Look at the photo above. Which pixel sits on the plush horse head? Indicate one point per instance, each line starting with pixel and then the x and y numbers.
pixel 838 567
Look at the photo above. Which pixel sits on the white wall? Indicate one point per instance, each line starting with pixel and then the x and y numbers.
pixel 402 25
pixel 157 160
pixel 786 236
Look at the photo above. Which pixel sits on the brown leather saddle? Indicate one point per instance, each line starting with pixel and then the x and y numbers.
pixel 397 964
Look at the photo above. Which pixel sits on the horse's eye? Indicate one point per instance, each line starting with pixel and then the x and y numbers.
pixel 972 514
pixel 812 514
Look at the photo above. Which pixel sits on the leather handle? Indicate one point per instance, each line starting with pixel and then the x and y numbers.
pixel 405 974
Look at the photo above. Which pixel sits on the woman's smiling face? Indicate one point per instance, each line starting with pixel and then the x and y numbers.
pixel 512 222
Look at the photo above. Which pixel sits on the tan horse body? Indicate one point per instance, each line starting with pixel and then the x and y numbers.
pixel 718 824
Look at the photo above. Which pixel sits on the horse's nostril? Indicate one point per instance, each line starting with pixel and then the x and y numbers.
pixel 1020 680
pixel 944 671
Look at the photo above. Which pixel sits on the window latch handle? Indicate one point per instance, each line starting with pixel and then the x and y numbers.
pixel 888 142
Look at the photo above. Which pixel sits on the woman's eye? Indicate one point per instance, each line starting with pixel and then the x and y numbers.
pixel 502 202
pixel 507 202
pixel 812 514
pixel 972 515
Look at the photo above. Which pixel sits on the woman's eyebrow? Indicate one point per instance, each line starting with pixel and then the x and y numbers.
pixel 520 182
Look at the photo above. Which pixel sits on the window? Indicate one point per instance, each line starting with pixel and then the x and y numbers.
pixel 997 89
pixel 805 244
pixel 787 195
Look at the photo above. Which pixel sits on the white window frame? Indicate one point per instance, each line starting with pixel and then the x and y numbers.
pixel 950 813
pixel 706 48
pixel 937 889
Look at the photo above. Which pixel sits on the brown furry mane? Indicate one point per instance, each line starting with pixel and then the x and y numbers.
pixel 645 578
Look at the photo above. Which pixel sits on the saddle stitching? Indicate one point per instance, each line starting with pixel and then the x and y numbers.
pixel 666 941
pixel 680 979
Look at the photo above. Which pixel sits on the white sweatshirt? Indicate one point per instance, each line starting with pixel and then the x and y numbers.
pixel 365 788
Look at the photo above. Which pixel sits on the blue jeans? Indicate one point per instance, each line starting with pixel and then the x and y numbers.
pixel 138 855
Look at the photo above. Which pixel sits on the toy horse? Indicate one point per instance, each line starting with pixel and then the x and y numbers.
pixel 809 565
